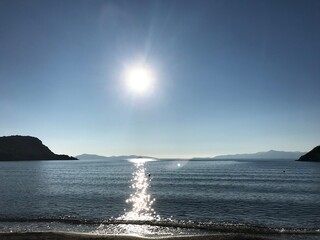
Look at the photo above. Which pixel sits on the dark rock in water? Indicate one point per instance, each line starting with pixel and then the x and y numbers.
pixel 20 148
pixel 312 156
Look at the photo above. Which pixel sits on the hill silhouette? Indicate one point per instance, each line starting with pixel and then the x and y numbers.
pixel 272 154
pixel 312 156
pixel 21 148
pixel 86 156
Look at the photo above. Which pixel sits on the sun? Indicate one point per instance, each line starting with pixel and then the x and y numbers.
pixel 139 80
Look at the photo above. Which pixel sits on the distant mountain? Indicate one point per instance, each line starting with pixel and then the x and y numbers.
pixel 21 148
pixel 272 154
pixel 94 156
pixel 90 156
pixel 312 156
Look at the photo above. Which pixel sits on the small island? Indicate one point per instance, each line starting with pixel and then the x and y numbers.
pixel 312 156
pixel 23 148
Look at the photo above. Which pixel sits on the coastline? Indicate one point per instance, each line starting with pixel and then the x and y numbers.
pixel 87 236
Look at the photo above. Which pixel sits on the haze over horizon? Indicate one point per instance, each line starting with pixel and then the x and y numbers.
pixel 214 77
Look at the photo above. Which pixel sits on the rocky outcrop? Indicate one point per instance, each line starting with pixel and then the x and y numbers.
pixel 312 156
pixel 21 148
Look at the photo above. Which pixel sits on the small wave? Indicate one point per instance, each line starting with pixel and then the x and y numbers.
pixel 205 227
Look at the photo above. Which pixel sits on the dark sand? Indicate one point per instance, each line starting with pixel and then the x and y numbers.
pixel 82 236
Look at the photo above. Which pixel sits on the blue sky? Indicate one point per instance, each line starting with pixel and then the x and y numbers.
pixel 231 76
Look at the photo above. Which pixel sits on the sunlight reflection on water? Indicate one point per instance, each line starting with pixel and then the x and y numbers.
pixel 141 201
pixel 141 204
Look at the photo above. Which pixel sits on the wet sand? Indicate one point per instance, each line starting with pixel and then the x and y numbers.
pixel 83 236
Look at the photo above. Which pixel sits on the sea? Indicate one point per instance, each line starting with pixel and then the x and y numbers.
pixel 149 197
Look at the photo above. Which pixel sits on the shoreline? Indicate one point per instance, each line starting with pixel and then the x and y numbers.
pixel 88 236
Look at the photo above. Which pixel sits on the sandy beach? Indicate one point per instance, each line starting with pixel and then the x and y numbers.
pixel 82 236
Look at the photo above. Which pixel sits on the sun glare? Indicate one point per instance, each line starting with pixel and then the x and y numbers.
pixel 139 80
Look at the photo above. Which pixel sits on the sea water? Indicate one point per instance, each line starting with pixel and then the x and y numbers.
pixel 164 197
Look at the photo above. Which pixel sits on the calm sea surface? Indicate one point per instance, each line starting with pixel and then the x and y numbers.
pixel 85 193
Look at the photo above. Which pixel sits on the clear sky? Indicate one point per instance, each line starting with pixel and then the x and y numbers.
pixel 229 76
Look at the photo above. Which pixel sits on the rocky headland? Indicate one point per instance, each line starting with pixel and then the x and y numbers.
pixel 23 148
pixel 312 156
